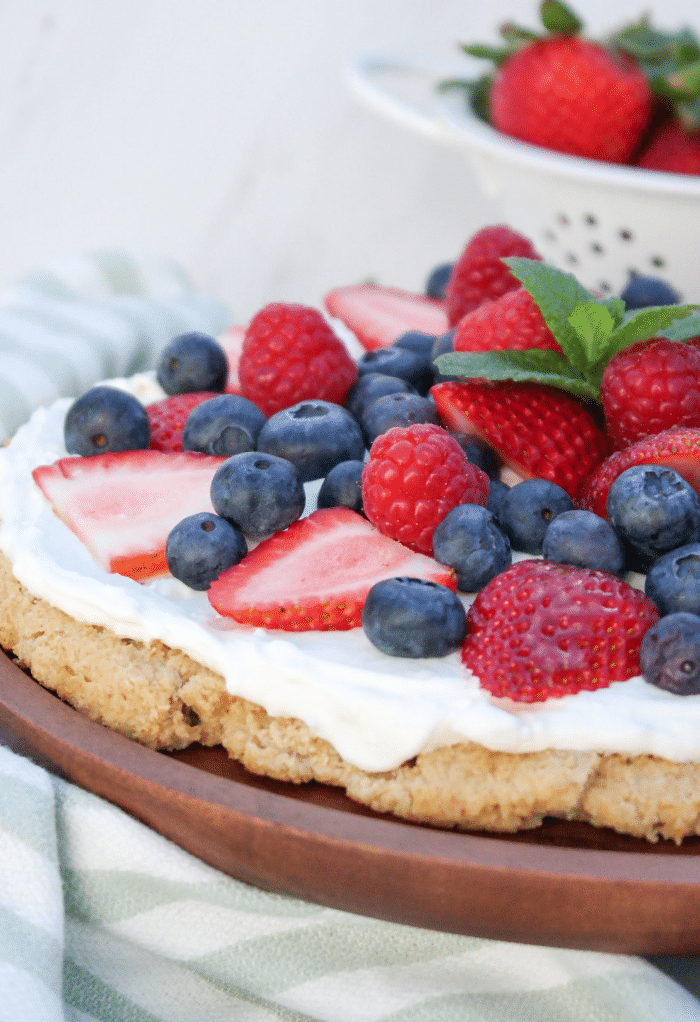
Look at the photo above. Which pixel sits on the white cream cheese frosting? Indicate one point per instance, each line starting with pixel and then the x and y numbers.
pixel 376 710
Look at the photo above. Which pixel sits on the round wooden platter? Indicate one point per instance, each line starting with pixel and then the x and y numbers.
pixel 562 885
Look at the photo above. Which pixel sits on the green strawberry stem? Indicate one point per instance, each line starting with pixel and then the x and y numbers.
pixel 589 331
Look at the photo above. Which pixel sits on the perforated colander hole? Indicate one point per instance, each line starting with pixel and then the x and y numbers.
pixel 604 287
pixel 657 261
pixel 549 235
pixel 626 234
pixel 597 248
pixel 571 258
pixel 563 219
pixel 590 220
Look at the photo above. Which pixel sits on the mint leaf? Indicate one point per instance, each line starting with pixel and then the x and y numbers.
pixel 556 294
pixel 682 329
pixel 547 367
pixel 594 323
pixel 645 323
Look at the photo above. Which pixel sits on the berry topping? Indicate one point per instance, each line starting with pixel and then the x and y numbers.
pixel 641 292
pixel 537 431
pixel 415 476
pixel 192 361
pixel 436 284
pixel 314 436
pixel 480 275
pixel 369 388
pixel 582 538
pixel 201 546
pixel 258 493
pixel 290 354
pixel 673 581
pixel 469 540
pixel 378 315
pixel 678 449
pixel 511 322
pixel 412 366
pixel 342 487
pixel 542 630
pixel 649 387
pixel 528 509
pixel 396 410
pixel 315 575
pixel 654 508
pixel 123 506
pixel 411 617
pixel 672 149
pixel 105 419
pixel 168 417
pixel 670 654
pixel 225 425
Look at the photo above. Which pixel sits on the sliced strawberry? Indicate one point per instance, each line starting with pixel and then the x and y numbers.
pixel 167 418
pixel 122 506
pixel 231 341
pixel 315 575
pixel 541 630
pixel 676 448
pixel 378 315
pixel 537 431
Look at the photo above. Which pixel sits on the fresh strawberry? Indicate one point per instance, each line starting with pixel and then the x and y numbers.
pixel 122 506
pixel 414 477
pixel 290 354
pixel 676 448
pixel 537 431
pixel 231 341
pixel 512 322
pixel 480 274
pixel 649 387
pixel 378 315
pixel 543 630
pixel 168 416
pixel 672 149
pixel 315 575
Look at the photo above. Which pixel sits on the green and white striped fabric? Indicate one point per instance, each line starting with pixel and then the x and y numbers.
pixel 84 318
pixel 103 919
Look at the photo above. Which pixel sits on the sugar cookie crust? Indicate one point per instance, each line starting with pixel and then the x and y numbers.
pixel 163 699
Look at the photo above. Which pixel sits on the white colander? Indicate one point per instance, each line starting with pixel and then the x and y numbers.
pixel 597 220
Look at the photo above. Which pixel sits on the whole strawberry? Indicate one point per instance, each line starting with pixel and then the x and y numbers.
pixel 480 274
pixel 649 387
pixel 672 149
pixel 564 92
pixel 414 477
pixel 512 322
pixel 290 354
pixel 541 630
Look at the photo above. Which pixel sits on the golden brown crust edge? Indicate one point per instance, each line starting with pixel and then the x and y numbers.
pixel 163 699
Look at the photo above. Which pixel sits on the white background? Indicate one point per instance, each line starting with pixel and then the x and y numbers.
pixel 223 133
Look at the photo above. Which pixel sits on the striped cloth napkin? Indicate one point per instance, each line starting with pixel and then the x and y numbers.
pixel 102 918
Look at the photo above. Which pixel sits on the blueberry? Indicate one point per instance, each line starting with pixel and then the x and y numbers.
pixel 654 508
pixel 527 509
pixel 436 284
pixel 469 540
pixel 342 487
pixel 224 425
pixel 190 362
pixel 670 654
pixel 411 617
pixel 201 546
pixel 642 292
pixel 408 365
pixel 416 340
pixel 258 493
pixel 106 420
pixel 478 452
pixel 497 491
pixel 584 539
pixel 673 581
pixel 372 386
pixel 397 410
pixel 315 435
pixel 443 346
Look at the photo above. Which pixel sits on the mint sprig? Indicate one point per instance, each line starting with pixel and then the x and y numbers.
pixel 589 331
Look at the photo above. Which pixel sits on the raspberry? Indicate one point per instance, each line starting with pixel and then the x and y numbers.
pixel 168 418
pixel 540 630
pixel 290 354
pixel 414 477
pixel 479 274
pixel 649 387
